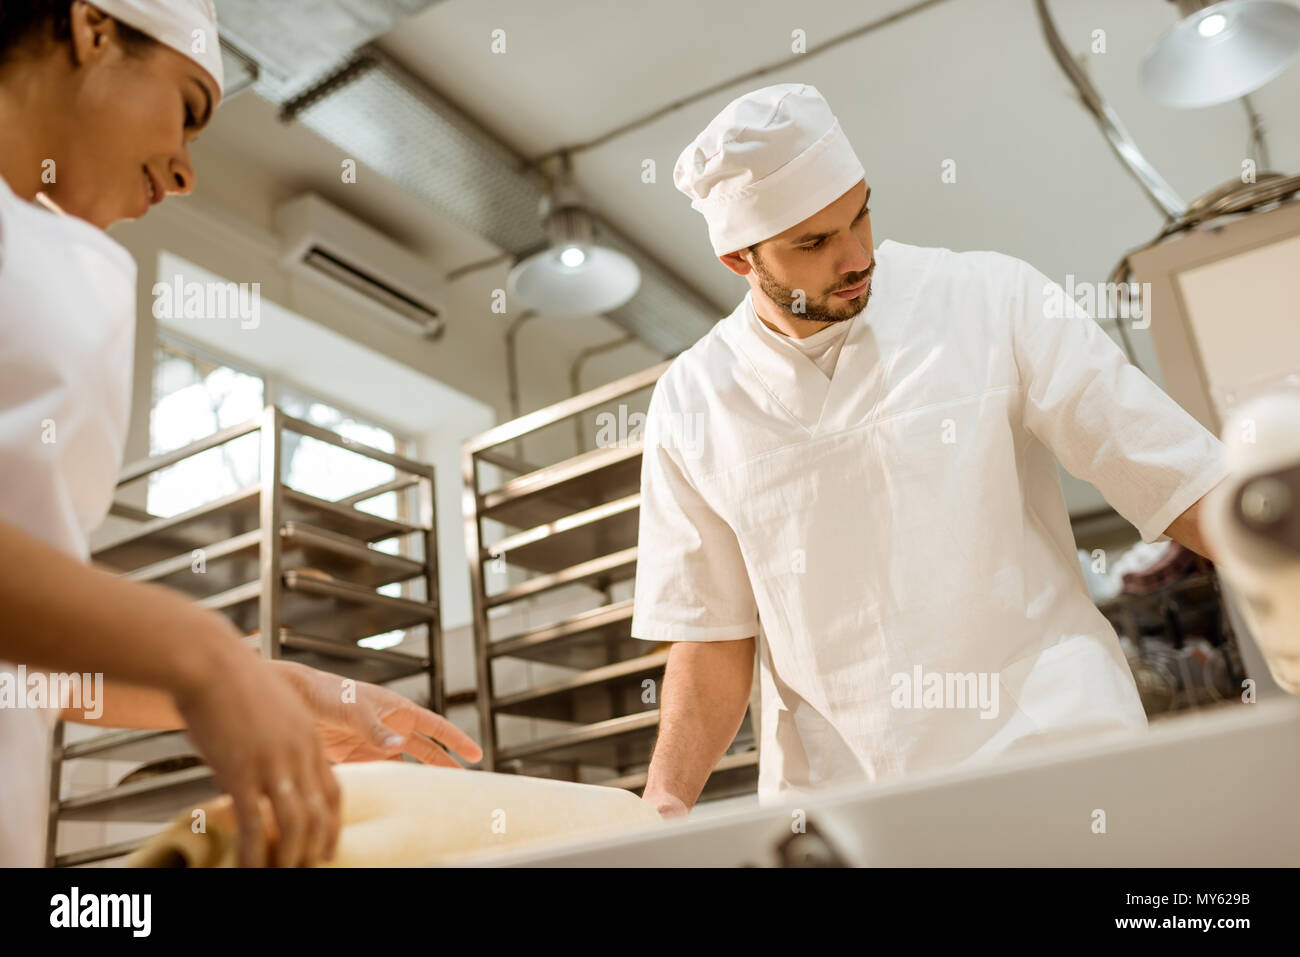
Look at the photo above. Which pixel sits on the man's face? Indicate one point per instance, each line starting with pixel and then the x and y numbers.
pixel 826 253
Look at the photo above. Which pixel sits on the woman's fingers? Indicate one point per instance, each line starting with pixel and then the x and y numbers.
pixel 440 729
pixel 427 752
pixel 315 815
pixel 290 817
pixel 252 848
pixel 329 807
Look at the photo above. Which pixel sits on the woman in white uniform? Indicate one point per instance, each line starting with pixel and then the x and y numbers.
pixel 875 503
pixel 98 106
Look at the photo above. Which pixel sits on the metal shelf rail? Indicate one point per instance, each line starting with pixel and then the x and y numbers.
pixel 568 523
pixel 294 572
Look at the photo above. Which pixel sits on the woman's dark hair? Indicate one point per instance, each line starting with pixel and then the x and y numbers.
pixel 24 22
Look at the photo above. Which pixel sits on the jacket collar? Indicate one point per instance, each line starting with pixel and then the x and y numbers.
pixel 794 381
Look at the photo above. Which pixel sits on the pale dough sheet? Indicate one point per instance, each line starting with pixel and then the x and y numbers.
pixel 399 814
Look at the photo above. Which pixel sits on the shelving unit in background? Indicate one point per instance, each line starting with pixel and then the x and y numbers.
pixel 565 526
pixel 297 574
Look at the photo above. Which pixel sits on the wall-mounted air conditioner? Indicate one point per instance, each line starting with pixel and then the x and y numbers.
pixel 359 262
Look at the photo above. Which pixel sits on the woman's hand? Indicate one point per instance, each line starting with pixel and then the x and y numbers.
pixel 258 738
pixel 359 721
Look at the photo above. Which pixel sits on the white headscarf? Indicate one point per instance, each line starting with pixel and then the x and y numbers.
pixel 768 161
pixel 187 26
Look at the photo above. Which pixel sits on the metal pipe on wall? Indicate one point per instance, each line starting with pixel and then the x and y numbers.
pixel 575 379
pixel 512 371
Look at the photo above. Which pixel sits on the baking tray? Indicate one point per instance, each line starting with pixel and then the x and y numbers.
pixel 597 572
pixel 574 485
pixel 154 800
pixel 593 695
pixel 594 638
pixel 618 743
pixel 233 515
pixel 349 660
pixel 142 746
pixel 324 609
pixel 735 774
pixel 572 539
pixel 236 561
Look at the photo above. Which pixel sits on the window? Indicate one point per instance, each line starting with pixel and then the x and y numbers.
pixel 329 472
pixel 196 394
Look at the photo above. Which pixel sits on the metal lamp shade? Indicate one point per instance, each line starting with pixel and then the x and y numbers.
pixel 1187 69
pixel 605 280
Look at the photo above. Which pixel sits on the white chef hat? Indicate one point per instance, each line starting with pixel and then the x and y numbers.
pixel 187 26
pixel 769 160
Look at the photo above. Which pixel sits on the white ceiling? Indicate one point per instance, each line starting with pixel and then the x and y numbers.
pixel 970 80
pixel 967 80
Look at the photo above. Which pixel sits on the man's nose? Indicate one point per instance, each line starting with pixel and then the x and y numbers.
pixel 859 258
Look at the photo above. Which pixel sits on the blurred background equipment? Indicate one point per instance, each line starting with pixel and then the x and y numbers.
pixel 1165 604
pixel 1254 523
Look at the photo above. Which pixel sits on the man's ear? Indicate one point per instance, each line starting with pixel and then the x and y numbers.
pixel 93 32
pixel 737 262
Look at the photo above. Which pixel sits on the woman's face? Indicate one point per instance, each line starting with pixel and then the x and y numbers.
pixel 132 117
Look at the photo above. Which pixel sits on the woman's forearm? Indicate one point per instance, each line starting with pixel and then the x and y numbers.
pixel 126 706
pixel 65 616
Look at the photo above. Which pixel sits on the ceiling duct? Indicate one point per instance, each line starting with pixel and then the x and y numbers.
pixel 315 65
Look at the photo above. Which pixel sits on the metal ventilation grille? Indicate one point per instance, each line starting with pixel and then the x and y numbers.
pixel 427 319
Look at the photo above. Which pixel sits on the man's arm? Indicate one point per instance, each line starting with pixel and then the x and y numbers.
pixel 1105 421
pixel 706 690
pixel 692 589
pixel 1186 529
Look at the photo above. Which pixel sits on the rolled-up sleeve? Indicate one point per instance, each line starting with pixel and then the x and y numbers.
pixel 1105 421
pixel 691 581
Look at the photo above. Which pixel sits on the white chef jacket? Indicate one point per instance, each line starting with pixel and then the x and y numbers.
pixel 822 347
pixel 67 303
pixel 907 513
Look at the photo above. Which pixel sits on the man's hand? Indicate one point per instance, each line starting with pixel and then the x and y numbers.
pixel 365 722
pixel 668 805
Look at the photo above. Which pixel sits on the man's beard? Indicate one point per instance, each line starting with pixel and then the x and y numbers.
pixel 783 297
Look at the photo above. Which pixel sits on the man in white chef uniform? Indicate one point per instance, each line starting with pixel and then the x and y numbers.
pixel 853 475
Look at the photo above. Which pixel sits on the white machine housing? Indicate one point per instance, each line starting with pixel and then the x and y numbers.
pixel 360 263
